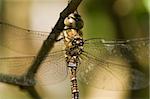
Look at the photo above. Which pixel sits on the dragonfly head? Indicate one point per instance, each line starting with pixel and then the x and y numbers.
pixel 73 21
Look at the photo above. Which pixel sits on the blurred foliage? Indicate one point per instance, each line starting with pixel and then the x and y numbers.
pixel 115 18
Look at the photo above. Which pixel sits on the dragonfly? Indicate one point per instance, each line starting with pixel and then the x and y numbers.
pixel 94 61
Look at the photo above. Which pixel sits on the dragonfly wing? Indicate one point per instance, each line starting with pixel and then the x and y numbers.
pixel 109 76
pixel 109 62
pixel 53 69
pixel 131 51
pixel 15 65
pixel 18 39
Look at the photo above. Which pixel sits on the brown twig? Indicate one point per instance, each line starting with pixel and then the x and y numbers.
pixel 32 91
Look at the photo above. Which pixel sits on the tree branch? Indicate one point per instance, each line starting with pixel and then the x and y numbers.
pixel 32 91
pixel 49 42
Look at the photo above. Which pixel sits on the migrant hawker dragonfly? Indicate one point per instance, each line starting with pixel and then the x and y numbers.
pixel 101 60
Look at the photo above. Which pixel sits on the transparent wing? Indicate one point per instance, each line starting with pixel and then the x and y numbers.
pixel 134 50
pixel 18 39
pixel 110 76
pixel 109 61
pixel 15 65
pixel 53 69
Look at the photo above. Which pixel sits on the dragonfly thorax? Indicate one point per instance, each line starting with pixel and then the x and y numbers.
pixel 72 38
pixel 73 52
pixel 73 42
pixel 72 33
pixel 77 42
